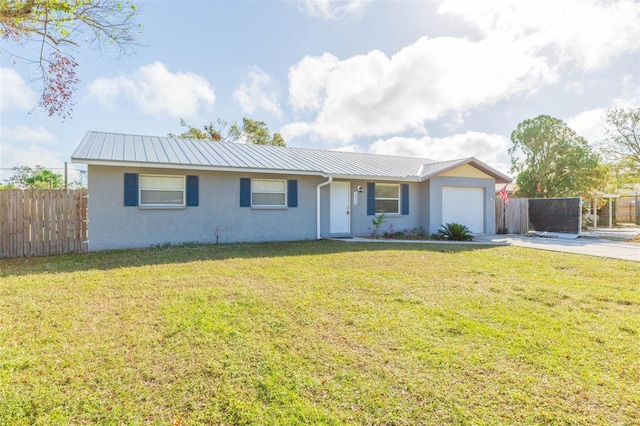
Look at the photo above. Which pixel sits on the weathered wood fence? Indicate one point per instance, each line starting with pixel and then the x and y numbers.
pixel 42 222
pixel 627 210
pixel 514 218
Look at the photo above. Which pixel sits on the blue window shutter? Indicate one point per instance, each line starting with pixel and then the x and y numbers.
pixel 405 198
pixel 245 192
pixel 130 189
pixel 193 196
pixel 292 193
pixel 371 198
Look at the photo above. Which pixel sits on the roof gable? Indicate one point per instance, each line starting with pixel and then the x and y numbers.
pixel 466 170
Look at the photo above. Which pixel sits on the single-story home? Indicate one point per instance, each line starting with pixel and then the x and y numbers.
pixel 147 190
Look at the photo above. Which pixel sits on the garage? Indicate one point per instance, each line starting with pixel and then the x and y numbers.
pixel 464 205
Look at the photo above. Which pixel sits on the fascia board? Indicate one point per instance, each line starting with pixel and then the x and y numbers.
pixel 242 170
pixel 196 167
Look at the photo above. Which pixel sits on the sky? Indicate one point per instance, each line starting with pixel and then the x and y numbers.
pixel 440 79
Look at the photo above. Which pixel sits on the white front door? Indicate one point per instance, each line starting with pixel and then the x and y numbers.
pixel 339 208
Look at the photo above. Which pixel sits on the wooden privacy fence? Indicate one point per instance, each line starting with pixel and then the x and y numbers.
pixel 514 218
pixel 42 222
pixel 627 210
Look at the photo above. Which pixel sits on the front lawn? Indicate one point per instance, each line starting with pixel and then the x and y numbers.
pixel 320 333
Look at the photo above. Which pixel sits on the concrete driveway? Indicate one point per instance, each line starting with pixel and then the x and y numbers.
pixel 589 245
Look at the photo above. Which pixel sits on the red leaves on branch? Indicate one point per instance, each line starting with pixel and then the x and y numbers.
pixel 59 84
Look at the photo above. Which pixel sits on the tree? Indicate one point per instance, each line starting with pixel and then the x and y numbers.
pixel 551 160
pixel 25 177
pixel 47 32
pixel 256 132
pixel 622 142
pixel 252 131
pixel 211 132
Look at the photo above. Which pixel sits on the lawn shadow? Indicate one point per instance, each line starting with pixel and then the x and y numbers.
pixel 194 252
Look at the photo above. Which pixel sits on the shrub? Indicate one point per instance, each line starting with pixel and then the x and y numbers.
pixel 377 223
pixel 455 232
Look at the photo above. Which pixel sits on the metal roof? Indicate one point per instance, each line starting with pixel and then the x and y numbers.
pixel 165 152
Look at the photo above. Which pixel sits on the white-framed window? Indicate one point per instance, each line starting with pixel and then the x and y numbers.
pixel 162 191
pixel 387 198
pixel 268 193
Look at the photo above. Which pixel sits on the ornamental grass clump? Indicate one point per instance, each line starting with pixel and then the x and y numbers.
pixel 455 232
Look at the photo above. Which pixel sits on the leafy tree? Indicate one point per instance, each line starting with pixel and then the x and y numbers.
pixel 252 131
pixel 47 32
pixel 551 160
pixel 622 143
pixel 212 132
pixel 25 177
pixel 256 132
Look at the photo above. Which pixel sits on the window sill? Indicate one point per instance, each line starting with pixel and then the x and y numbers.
pixel 388 215
pixel 269 207
pixel 162 207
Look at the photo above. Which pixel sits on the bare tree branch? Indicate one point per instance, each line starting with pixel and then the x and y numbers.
pixel 58 27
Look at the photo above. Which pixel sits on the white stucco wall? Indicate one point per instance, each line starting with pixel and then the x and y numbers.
pixel 113 225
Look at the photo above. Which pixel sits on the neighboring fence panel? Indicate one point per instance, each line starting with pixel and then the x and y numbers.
pixel 538 214
pixel 627 210
pixel 556 215
pixel 42 222
pixel 514 218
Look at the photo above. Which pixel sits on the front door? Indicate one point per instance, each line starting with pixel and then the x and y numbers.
pixel 340 208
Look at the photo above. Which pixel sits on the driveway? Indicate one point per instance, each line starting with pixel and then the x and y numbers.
pixel 589 245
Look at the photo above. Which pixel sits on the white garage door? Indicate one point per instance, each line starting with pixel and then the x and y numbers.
pixel 463 205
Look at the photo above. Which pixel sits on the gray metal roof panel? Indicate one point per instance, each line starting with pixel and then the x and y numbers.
pixel 118 148
pixel 96 147
pixel 151 150
pixel 439 167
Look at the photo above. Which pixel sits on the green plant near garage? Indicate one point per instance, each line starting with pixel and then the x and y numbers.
pixel 455 232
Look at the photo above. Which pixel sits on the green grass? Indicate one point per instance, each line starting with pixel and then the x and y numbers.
pixel 320 333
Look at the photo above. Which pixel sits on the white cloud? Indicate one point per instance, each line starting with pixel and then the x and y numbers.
pixel 260 93
pixel 520 48
pixel 294 130
pixel 373 95
pixel 14 92
pixel 107 90
pixel 589 124
pixel 25 146
pixel 334 9
pixel 347 148
pixel 158 92
pixel 488 148
pixel 630 93
pixel 308 81
pixel 583 33
pixel 27 134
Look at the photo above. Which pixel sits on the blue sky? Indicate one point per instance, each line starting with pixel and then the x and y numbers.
pixel 438 79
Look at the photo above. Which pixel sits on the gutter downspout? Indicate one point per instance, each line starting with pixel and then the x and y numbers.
pixel 320 185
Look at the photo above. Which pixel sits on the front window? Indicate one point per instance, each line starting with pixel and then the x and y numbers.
pixel 268 193
pixel 387 198
pixel 159 190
